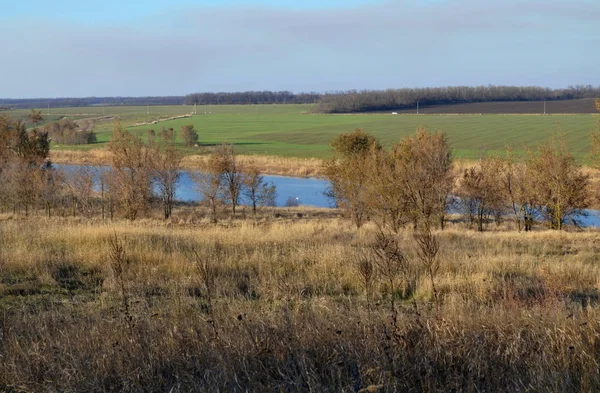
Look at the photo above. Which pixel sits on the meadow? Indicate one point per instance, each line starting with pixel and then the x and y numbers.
pixel 295 301
pixel 293 131
pixel 298 299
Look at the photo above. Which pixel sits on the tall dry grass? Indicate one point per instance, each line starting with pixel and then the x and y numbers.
pixel 270 165
pixel 280 305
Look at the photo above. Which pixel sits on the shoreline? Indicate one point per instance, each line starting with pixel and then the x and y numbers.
pixel 269 165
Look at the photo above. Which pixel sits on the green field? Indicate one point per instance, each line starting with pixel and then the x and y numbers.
pixel 290 130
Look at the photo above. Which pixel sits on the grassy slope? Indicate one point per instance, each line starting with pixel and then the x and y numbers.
pixel 309 135
pixel 288 130
pixel 288 310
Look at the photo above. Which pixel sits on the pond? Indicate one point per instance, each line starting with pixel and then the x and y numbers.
pixel 305 191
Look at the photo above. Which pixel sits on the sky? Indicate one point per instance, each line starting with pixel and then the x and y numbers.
pixel 68 48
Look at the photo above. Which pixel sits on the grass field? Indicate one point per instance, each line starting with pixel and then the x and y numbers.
pixel 290 130
pixel 283 307
pixel 581 105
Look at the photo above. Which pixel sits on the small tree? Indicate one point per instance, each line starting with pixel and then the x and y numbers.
pixel 130 172
pixel 151 136
pixel 167 134
pixel 189 135
pixel 560 186
pixel 66 131
pixel 481 191
pixel 518 186
pixel 165 171
pixel 209 185
pixel 23 164
pixel 223 161
pixel 348 172
pixel 79 185
pixel 424 170
pixel 353 143
pixel 35 117
pixel 388 202
pixel 256 190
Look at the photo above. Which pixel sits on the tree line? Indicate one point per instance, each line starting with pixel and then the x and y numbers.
pixel 414 183
pixel 330 102
pixel 141 175
pixel 390 99
pixel 251 97
pixel 206 98
pixel 68 102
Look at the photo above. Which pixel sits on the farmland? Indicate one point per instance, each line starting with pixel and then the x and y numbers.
pixel 296 298
pixel 293 131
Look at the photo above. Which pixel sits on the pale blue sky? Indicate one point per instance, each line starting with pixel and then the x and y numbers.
pixel 104 48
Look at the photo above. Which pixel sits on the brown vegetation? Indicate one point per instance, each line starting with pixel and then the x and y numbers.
pixel 295 299
pixel 269 165
pixel 308 304
pixel 68 132
pixel 414 183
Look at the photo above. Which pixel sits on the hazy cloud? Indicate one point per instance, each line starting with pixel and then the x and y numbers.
pixel 395 44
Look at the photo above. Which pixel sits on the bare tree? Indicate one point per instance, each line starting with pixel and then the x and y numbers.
pixel 256 190
pixel 67 131
pixel 424 168
pixel 224 161
pixel 79 185
pixel 518 185
pixel 131 173
pixel 388 201
pixel 209 183
pixel 482 191
pixel 560 185
pixel 35 117
pixel 165 171
pixel 189 135
pixel 349 172
pixel 23 164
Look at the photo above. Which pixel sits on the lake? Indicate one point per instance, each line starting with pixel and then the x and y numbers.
pixel 306 191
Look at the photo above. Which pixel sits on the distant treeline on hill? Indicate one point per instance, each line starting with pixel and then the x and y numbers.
pixel 222 98
pixel 378 100
pixel 350 101
pixel 27 103
pixel 252 97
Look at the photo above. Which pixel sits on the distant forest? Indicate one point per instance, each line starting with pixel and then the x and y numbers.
pixel 398 99
pixel 26 103
pixel 252 97
pixel 239 98
pixel 351 101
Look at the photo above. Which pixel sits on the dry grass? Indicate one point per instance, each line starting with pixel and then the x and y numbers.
pixel 279 305
pixel 269 165
pixel 90 157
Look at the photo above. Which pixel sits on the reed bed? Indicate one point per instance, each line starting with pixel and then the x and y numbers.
pixel 269 165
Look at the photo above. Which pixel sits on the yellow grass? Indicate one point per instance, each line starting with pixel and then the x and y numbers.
pixel 269 165
pixel 279 304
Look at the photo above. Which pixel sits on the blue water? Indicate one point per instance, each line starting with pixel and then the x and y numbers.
pixel 305 191
pixel 591 218
pixel 308 191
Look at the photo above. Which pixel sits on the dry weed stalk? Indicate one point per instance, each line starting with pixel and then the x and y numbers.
pixel 427 248
pixel 119 263
pixel 207 273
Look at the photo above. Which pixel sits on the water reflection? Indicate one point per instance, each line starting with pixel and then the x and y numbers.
pixel 306 191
